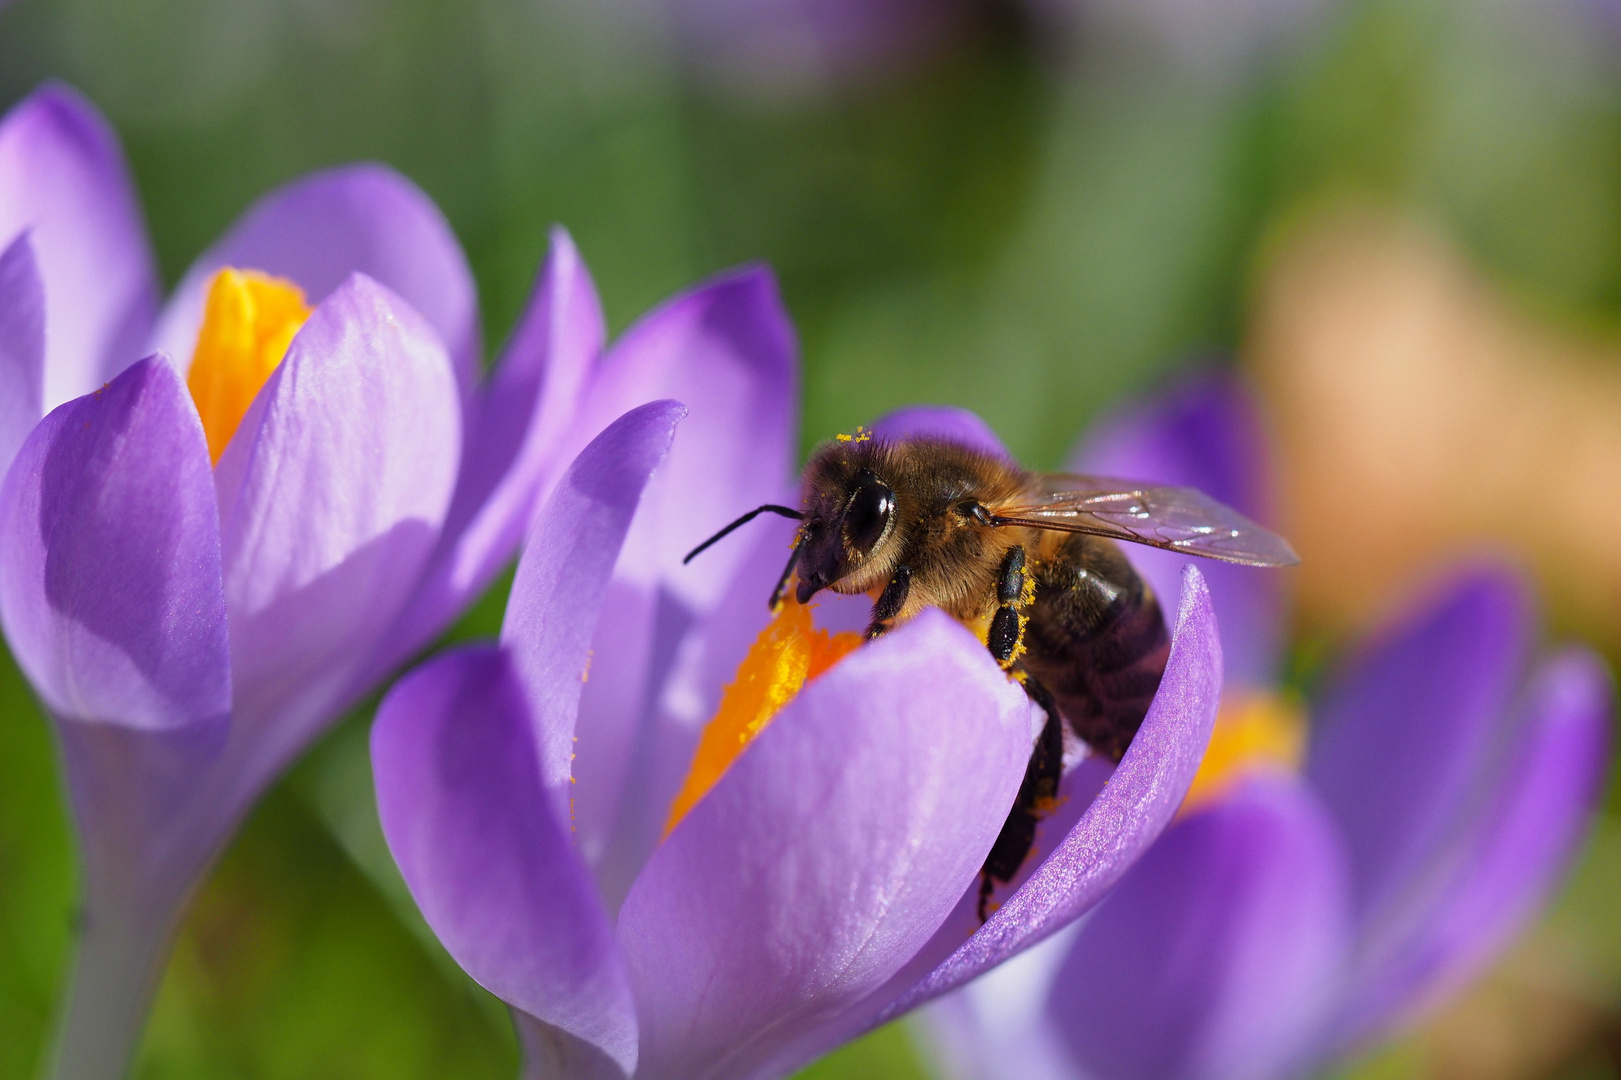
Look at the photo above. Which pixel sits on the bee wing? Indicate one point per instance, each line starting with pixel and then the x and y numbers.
pixel 1175 518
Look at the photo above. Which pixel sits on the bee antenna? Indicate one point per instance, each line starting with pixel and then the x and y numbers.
pixel 772 508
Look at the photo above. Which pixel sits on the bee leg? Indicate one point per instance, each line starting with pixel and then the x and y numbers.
pixel 1037 794
pixel 890 602
pixel 787 572
pixel 1006 636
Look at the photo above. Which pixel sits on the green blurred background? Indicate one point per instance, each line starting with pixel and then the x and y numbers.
pixel 1033 214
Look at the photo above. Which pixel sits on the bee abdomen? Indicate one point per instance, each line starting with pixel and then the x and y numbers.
pixel 1097 639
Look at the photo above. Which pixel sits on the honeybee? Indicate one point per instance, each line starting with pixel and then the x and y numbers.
pixel 1026 559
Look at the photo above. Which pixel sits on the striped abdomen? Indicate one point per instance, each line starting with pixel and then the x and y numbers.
pixel 1096 639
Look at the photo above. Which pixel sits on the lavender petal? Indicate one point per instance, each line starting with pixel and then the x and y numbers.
pixel 64 181
pixel 318 230
pixel 487 857
pixel 110 564
pixel 564 574
pixel 332 493
pixel 1218 955
pixel 827 854
pixel 515 421
pixel 1125 818
pixel 1509 858
pixel 632 755
pixel 940 422
pixel 1115 826
pixel 22 347
pixel 726 350
pixel 1402 736
pixel 1205 433
pixel 550 1052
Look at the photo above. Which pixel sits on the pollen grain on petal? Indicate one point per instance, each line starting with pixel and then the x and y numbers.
pixel 789 652
pixel 249 321
pixel 1254 732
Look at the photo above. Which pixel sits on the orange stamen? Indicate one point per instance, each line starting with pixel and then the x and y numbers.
pixel 1254 733
pixel 789 652
pixel 248 322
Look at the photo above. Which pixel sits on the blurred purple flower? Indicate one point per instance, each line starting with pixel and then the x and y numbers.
pixel 827 883
pixel 191 628
pixel 1297 918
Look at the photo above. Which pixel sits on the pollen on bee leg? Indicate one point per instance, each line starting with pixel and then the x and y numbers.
pixel 1257 732
pixel 788 653
pixel 249 320
pixel 1018 644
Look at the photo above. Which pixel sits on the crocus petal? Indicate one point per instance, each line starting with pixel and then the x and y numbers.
pixel 1206 433
pixel 320 229
pixel 1402 736
pixel 110 559
pixel 1125 818
pixel 132 792
pixel 1114 829
pixel 726 350
pixel 515 421
pixel 827 854
pixel 1218 954
pixel 63 179
pixel 996 1027
pixel 332 493
pixel 564 573
pixel 22 347
pixel 1522 841
pixel 1077 790
pixel 1019 983
pixel 486 855
pixel 112 601
pixel 550 1052
pixel 940 422
pixel 628 767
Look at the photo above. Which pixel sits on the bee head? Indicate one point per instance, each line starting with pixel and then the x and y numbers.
pixel 849 512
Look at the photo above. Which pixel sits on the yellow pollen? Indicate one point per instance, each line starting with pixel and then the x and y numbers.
pixel 789 652
pixel 248 322
pixel 1255 732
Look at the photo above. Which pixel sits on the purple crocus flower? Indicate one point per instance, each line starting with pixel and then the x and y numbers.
pixel 1295 917
pixel 826 883
pixel 191 626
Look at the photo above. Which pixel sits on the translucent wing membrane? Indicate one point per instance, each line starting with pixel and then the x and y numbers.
pixel 1175 518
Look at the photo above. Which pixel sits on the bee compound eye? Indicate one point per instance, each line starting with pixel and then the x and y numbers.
pixel 868 515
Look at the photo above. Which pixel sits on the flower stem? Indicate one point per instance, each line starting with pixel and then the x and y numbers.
pixel 114 977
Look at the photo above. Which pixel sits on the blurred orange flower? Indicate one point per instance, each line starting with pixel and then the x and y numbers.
pixel 1420 412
